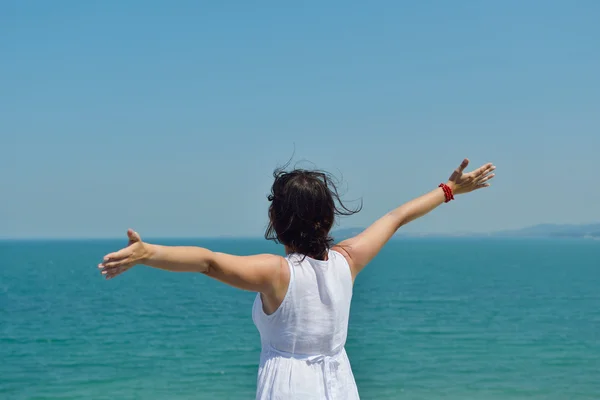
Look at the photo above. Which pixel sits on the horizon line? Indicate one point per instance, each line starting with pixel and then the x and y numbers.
pixel 257 238
pixel 506 232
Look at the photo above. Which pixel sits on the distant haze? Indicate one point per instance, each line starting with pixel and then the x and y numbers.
pixel 588 231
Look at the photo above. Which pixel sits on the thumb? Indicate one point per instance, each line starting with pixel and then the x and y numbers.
pixel 133 236
pixel 463 165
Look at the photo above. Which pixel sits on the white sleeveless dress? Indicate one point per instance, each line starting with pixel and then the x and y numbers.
pixel 303 354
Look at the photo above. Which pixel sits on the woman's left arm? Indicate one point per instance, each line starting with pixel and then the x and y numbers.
pixel 258 273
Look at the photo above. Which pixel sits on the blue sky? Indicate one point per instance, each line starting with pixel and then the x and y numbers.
pixel 169 117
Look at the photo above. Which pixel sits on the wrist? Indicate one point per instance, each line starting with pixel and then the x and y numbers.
pixel 448 189
pixel 452 186
pixel 148 253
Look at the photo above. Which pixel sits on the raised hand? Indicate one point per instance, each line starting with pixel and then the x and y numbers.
pixel 116 263
pixel 462 182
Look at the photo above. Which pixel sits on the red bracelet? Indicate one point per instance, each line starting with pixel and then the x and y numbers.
pixel 447 192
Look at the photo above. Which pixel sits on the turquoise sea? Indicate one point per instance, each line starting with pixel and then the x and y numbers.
pixel 431 319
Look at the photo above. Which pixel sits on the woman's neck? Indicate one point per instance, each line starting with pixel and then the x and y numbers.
pixel 289 250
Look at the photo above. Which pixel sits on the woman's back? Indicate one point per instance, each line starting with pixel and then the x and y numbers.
pixel 307 333
pixel 313 317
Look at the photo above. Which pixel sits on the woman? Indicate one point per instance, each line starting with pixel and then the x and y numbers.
pixel 303 300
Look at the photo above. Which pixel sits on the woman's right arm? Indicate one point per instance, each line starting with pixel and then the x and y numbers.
pixel 361 249
pixel 264 273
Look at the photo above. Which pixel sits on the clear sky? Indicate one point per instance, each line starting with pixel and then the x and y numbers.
pixel 169 117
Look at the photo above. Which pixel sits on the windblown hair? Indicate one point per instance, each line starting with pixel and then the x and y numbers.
pixel 304 205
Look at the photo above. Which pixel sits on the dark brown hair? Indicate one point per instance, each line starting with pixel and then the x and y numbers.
pixel 304 205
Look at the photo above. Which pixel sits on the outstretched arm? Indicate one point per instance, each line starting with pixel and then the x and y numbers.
pixel 259 273
pixel 361 249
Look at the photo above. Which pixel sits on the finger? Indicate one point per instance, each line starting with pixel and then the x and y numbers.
pixel 483 169
pixel 119 255
pixel 489 169
pixel 111 262
pixel 486 178
pixel 485 174
pixel 483 185
pixel 464 164
pixel 114 264
pixel 133 236
pixel 111 256
pixel 115 271
pixel 112 274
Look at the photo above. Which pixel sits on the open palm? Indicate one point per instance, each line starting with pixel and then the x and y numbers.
pixel 462 182
pixel 116 263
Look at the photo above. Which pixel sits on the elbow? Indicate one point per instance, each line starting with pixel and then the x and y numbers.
pixel 208 271
pixel 209 264
pixel 398 219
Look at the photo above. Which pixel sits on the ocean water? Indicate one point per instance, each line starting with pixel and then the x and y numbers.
pixel 431 319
